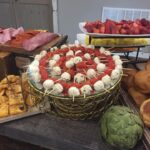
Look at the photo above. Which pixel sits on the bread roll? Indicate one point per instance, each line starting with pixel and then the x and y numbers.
pixel 147 67
pixel 145 112
pixel 128 81
pixel 138 97
pixel 142 81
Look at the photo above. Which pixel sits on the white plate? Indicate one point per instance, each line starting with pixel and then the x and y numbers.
pixel 81 26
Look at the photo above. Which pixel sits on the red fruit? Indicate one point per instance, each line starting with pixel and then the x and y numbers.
pixel 107 27
pixel 87 83
pixel 97 24
pixel 81 65
pixel 63 83
pixel 49 54
pixel 126 26
pixel 123 31
pixel 129 21
pixel 89 50
pixel 123 21
pixel 92 66
pixel 89 27
pixel 102 28
pixel 145 22
pixel 77 85
pixel 43 62
pixel 61 61
pixel 74 48
pixel 95 30
pixel 44 74
pixel 135 25
pixel 79 54
pixel 143 30
pixel 65 50
pixel 138 21
pixel 90 62
pixel 108 71
pixel 93 80
pixel 97 53
pixel 82 48
pixel 71 72
pixel 137 30
pixel 110 27
pixel 68 57
pixel 54 79
pixel 101 75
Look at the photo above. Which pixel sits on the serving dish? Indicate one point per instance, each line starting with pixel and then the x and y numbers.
pixel 81 26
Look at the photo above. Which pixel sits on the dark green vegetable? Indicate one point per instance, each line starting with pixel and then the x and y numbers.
pixel 120 127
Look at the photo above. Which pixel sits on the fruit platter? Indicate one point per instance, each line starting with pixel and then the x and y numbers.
pixel 110 28
pixel 125 35
pixel 78 79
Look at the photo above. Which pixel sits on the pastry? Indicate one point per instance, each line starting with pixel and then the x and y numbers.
pixel 2 92
pixel 16 99
pixel 17 109
pixel 11 98
pixel 3 99
pixel 3 86
pixel 4 110
pixel 10 78
pixel 145 112
pixel 128 81
pixel 147 67
pixel 137 96
pixel 142 81
pixel 17 88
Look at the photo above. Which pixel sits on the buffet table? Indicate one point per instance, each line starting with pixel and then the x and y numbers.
pixel 50 132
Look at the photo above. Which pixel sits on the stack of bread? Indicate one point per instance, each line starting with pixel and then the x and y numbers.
pixel 138 85
pixel 11 96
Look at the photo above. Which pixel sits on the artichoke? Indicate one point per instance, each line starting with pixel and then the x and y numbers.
pixel 120 127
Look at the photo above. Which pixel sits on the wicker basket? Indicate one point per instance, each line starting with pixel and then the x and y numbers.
pixel 36 95
pixel 81 107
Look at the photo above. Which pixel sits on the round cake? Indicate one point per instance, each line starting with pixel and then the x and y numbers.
pixel 75 70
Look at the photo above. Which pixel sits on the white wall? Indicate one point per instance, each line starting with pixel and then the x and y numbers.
pixel 71 12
